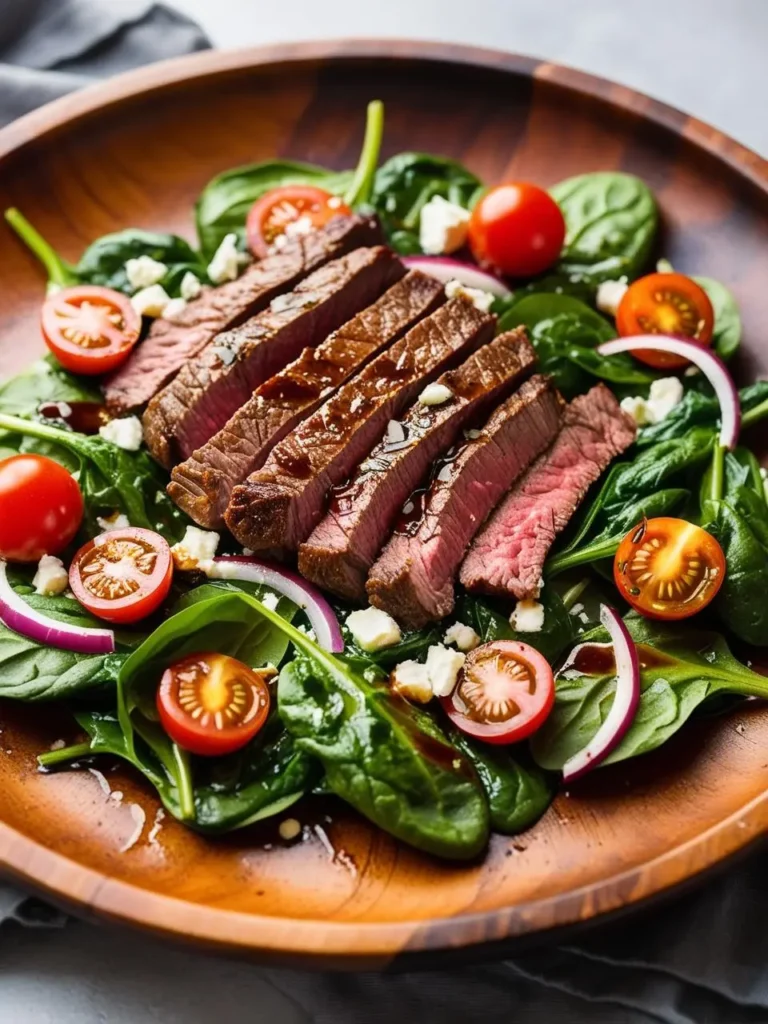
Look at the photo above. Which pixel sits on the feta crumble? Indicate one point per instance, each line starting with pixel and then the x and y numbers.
pixel 443 226
pixel 373 629
pixel 411 680
pixel 665 394
pixel 196 550
pixel 126 433
pixel 528 617
pixel 443 667
pixel 270 601
pixel 190 286
pixel 51 577
pixel 143 272
pixel 610 294
pixel 435 394
pixel 225 265
pixel 117 521
pixel 151 301
pixel 174 308
pixel 480 299
pixel 465 638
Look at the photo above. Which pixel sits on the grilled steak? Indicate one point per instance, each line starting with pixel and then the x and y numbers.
pixel 203 484
pixel 279 505
pixel 209 389
pixel 413 578
pixel 170 344
pixel 344 544
pixel 508 555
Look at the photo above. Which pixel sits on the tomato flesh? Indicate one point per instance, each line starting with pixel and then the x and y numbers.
pixel 665 304
pixel 211 704
pixel 122 576
pixel 270 216
pixel 504 693
pixel 90 329
pixel 668 568
pixel 41 508
pixel 517 229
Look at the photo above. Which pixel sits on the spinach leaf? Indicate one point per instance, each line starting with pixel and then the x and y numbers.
pixel 727 334
pixel 698 409
pixel 45 381
pixel 681 668
pixel 406 183
pixel 611 221
pixel 103 262
pixel 555 637
pixel 60 273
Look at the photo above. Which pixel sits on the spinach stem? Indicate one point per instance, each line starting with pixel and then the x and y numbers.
pixel 718 473
pixel 54 757
pixel 571 596
pixel 60 273
pixel 362 183
pixel 591 553
pixel 754 415
pixel 31 428
pixel 184 783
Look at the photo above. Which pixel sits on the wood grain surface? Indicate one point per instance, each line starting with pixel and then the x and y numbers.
pixel 137 151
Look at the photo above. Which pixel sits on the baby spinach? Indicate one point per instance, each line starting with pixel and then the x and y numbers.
pixel 43 382
pixel 103 262
pixel 727 334
pixel 611 222
pixel 701 409
pixel 682 667
pixel 556 635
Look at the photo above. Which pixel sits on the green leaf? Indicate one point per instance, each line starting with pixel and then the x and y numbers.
pixel 103 262
pixel 727 335
pixel 45 381
pixel 490 623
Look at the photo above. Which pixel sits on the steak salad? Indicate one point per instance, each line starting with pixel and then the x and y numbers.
pixel 421 495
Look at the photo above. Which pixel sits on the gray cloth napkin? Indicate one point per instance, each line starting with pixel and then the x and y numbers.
pixel 699 960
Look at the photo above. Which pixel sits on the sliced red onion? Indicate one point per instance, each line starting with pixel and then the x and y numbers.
pixel 625 700
pixel 711 365
pixel 20 617
pixel 311 601
pixel 445 269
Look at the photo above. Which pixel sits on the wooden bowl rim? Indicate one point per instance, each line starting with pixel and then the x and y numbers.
pixel 351 943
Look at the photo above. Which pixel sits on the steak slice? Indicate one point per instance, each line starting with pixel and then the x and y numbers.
pixel 344 544
pixel 203 484
pixel 210 388
pixel 170 344
pixel 413 578
pixel 280 504
pixel 508 555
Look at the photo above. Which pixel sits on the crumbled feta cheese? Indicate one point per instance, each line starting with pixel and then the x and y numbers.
pixel 443 226
pixel 51 577
pixel 576 609
pixel 196 550
pixel 665 394
pixel 117 521
pixel 373 629
pixel 307 631
pixel 637 408
pixel 190 286
pixel 270 601
pixel 465 638
pixel 411 680
pixel 443 667
pixel 126 433
pixel 143 272
pixel 609 296
pixel 528 617
pixel 225 265
pixel 151 301
pixel 301 226
pixel 289 829
pixel 435 394
pixel 174 309
pixel 480 299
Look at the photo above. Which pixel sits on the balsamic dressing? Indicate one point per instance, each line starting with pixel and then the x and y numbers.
pixel 83 417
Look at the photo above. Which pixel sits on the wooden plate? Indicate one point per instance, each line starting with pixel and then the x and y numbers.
pixel 136 151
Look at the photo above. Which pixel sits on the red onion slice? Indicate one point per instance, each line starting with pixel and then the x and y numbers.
pixel 311 601
pixel 17 615
pixel 711 365
pixel 445 269
pixel 625 700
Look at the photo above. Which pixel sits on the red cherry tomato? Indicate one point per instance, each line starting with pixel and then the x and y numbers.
pixel 668 568
pixel 275 210
pixel 90 329
pixel 41 508
pixel 122 576
pixel 665 304
pixel 211 704
pixel 504 693
pixel 517 229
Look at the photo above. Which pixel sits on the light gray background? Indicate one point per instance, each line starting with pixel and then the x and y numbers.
pixel 705 56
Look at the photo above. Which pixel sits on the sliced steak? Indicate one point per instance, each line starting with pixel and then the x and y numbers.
pixel 413 578
pixel 345 543
pixel 213 386
pixel 170 344
pixel 508 556
pixel 280 504
pixel 203 484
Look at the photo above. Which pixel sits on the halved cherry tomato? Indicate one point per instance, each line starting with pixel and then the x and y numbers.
pixel 669 569
pixel 665 304
pixel 41 508
pixel 212 704
pixel 90 329
pixel 517 229
pixel 122 576
pixel 275 210
pixel 504 693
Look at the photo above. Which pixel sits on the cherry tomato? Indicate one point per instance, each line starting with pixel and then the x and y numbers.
pixel 665 304
pixel 90 329
pixel 122 576
pixel 517 229
pixel 41 508
pixel 275 210
pixel 504 693
pixel 669 569
pixel 212 704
